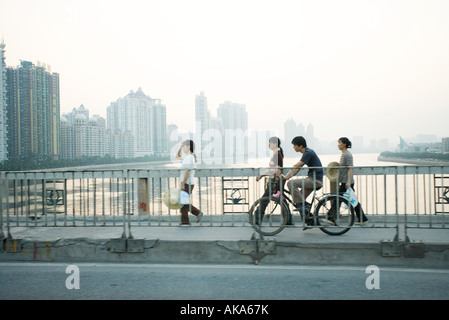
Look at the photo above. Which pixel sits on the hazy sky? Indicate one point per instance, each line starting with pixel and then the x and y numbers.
pixel 375 68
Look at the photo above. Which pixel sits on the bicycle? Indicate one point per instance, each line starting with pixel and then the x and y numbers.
pixel 332 213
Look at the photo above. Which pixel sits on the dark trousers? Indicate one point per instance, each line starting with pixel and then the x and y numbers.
pixel 188 207
pixel 260 211
pixel 358 209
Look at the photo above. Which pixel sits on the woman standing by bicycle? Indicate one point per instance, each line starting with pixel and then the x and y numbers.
pixel 273 187
pixel 346 178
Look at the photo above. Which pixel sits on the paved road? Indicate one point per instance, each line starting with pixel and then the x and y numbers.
pixel 200 282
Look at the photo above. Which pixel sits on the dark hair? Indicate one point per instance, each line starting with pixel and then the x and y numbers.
pixel 191 145
pixel 299 141
pixel 277 141
pixel 345 141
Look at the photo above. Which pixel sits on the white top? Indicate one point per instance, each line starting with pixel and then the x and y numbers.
pixel 188 164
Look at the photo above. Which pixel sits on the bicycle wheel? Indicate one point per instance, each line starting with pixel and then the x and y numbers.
pixel 334 215
pixel 274 218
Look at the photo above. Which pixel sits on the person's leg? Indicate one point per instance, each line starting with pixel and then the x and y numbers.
pixel 190 207
pixel 185 214
pixel 260 211
pixel 310 186
pixel 295 188
pixel 359 211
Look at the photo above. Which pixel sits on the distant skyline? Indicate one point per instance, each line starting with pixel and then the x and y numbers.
pixel 377 69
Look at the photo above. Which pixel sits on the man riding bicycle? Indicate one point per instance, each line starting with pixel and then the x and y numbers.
pixel 300 189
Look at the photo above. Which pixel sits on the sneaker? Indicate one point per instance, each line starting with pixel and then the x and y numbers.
pixel 277 195
pixel 199 217
pixel 309 223
pixel 327 222
pixel 360 223
pixel 184 224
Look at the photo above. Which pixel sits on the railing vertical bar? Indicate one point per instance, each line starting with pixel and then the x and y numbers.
pixel 44 195
pixel 443 218
pixel 65 200
pixel 15 200
pixel 94 214
pixel 396 201
pixel 73 198
pixel 28 200
pixel 86 202
pixel 385 198
pixel 424 194
pixel 54 200
pixel 102 199
pixel 122 194
pixel 429 183
pixel 8 222
pixel 35 198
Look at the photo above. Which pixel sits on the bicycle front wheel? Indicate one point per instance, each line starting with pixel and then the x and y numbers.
pixel 268 216
pixel 334 215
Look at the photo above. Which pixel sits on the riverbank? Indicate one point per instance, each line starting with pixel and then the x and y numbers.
pixel 413 161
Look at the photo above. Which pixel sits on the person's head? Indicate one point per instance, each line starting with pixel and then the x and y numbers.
pixel 299 143
pixel 344 143
pixel 188 146
pixel 274 143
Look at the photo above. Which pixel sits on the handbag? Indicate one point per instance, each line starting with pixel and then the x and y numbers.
pixel 351 197
pixel 184 197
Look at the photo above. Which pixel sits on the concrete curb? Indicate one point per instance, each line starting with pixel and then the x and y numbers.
pixel 430 255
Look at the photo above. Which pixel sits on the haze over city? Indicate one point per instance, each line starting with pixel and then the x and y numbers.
pixel 377 69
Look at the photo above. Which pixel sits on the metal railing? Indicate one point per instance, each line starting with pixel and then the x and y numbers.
pixel 412 196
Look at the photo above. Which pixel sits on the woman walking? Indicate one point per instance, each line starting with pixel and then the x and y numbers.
pixel 346 178
pixel 187 179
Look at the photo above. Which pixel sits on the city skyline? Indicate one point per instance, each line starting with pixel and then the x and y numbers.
pixel 372 69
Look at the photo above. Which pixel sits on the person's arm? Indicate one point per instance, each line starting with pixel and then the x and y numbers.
pixel 296 167
pixel 178 154
pixel 270 172
pixel 350 175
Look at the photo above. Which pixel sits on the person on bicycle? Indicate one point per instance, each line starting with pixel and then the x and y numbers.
pixel 300 189
pixel 273 186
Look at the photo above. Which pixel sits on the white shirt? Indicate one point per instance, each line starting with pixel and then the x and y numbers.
pixel 188 164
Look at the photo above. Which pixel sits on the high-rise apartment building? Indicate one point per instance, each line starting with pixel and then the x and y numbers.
pixel 233 116
pixel 3 115
pixel 83 136
pixel 144 118
pixel 159 128
pixel 445 145
pixel 202 114
pixel 234 120
pixel 290 131
pixel 33 108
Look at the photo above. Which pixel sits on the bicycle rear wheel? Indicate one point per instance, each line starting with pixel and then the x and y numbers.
pixel 334 215
pixel 274 218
